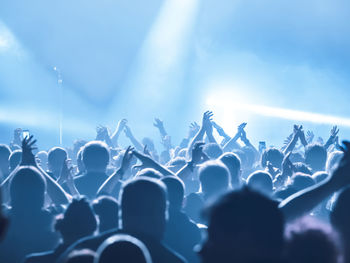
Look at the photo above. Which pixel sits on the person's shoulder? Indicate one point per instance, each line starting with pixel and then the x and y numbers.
pixel 42 257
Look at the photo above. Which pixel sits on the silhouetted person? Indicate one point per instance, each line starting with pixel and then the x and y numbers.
pixel 31 225
pixel 15 159
pixel 95 159
pixel 261 181
pixel 181 234
pixel 273 156
pixel 244 227
pixel 316 157
pixel 77 222
pixel 5 153
pixel 107 210
pixel 55 159
pixel 143 203
pixel 122 248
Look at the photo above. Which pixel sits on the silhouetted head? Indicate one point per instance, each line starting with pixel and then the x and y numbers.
pixel 144 207
pixel 81 256
pixel 333 161
pixel 340 216
pixel 274 156
pixel 107 210
pixel 149 172
pixel 316 157
pixel 250 156
pixel 4 158
pixel 15 159
pixel 301 181
pixel 122 249
pixel 95 156
pixel 56 158
pixel 310 242
pixel 214 178
pixel 77 222
pixel 213 150
pixel 233 164
pixel 261 181
pixel 176 190
pixel 80 162
pixel 27 189
pixel 244 226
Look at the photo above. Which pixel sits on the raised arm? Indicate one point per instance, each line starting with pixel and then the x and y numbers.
pixel 118 130
pixel 222 133
pixel 231 143
pixel 304 201
pixel 332 137
pixel 133 140
pixel 294 139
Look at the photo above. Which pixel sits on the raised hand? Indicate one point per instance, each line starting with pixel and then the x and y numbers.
pixel 334 132
pixel 127 159
pixel 310 136
pixel 158 123
pixel 197 152
pixel 102 133
pixel 332 137
pixel 121 124
pixel 146 161
pixel 207 118
pixel 28 157
pixel 194 128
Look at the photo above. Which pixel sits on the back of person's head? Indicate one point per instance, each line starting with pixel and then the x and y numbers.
pixel 233 164
pixel 333 161
pixel 272 155
pixel 149 172
pixel 261 181
pixel 319 177
pixel 27 189
pixel 310 242
pixel 56 158
pixel 176 190
pixel 107 210
pixel 244 226
pixel 316 157
pixel 143 204
pixel 340 216
pixel 122 249
pixel 214 178
pixel 78 221
pixel 5 153
pixel 302 167
pixel 301 181
pixel 15 159
pixel 176 164
pixel 95 156
pixel 81 256
pixel 250 156
pixel 213 150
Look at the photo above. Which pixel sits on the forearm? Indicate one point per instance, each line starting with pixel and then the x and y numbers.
pixel 291 145
pixel 199 137
pixel 230 144
pixel 111 183
pixel 136 143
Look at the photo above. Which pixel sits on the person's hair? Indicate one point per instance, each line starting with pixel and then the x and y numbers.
pixel 316 157
pixel 300 181
pixel 95 156
pixel 340 216
pixel 107 210
pixel 333 160
pixel 310 241
pixel 27 188
pixel 233 163
pixel 272 155
pixel 176 191
pixel 56 157
pixel 78 220
pixel 15 159
pixel 81 256
pixel 143 203
pixel 260 181
pixel 149 172
pixel 214 177
pixel 124 249
pixel 213 150
pixel 244 225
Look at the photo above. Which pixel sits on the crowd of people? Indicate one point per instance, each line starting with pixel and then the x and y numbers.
pixel 209 199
